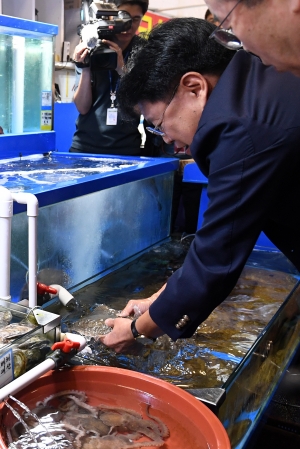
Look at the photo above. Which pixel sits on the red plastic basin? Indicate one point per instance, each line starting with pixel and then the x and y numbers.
pixel 191 424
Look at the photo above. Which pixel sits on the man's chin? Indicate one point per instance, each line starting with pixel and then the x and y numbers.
pixel 294 70
pixel 282 67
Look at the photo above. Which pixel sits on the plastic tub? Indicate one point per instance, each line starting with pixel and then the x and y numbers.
pixel 191 424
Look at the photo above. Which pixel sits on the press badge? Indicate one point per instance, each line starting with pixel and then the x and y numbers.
pixel 112 116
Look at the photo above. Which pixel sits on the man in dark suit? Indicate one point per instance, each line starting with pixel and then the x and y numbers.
pixel 267 28
pixel 242 121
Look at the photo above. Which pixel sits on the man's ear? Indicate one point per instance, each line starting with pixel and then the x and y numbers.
pixel 196 84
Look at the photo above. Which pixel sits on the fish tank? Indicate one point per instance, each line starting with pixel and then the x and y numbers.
pixel 94 214
pixel 26 77
pixel 236 357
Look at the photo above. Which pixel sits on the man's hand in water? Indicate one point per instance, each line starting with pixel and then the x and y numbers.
pixel 138 307
pixel 121 338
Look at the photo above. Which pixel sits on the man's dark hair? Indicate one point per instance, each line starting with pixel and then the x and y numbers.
pixel 142 3
pixel 173 48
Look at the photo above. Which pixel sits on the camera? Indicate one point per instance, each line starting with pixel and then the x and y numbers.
pixel 106 21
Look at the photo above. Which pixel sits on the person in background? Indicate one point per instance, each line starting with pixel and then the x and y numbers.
pixel 242 122
pixel 211 18
pixel 266 28
pixel 97 131
pixel 1 130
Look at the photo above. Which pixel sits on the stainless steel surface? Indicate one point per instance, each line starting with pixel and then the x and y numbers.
pixel 252 384
pixel 212 397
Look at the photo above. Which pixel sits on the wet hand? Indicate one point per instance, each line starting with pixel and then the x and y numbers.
pixel 118 50
pixel 120 338
pixel 136 307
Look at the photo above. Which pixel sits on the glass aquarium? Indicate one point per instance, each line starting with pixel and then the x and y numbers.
pixel 26 75
pixel 94 213
pixel 236 357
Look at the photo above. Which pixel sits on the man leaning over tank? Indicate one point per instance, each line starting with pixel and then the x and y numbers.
pixel 267 28
pixel 96 92
pixel 242 120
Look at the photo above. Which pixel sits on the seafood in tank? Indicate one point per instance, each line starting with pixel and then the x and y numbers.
pixel 66 419
pixel 5 317
pixel 218 345
pixel 10 330
pixel 22 344
pixel 29 353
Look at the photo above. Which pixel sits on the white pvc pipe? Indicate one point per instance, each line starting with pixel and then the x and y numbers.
pixel 63 294
pixel 33 374
pixel 6 212
pixel 21 382
pixel 32 262
pixel 32 212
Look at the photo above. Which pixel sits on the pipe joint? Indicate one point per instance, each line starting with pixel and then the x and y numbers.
pixel 29 199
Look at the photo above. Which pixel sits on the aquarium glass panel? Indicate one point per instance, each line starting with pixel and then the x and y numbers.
pixel 26 67
pixel 81 238
pixel 5 82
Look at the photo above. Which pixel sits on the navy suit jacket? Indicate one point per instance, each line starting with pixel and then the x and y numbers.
pixel 248 145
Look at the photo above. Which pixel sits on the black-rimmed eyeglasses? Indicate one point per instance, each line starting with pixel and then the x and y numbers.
pixel 226 37
pixel 157 130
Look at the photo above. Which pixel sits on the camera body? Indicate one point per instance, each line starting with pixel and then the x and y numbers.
pixel 107 22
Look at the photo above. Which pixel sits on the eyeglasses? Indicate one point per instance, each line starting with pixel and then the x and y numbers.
pixel 157 130
pixel 226 37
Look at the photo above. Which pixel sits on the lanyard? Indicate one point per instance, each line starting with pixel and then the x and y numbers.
pixel 113 91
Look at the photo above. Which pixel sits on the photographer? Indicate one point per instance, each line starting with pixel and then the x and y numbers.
pixel 98 130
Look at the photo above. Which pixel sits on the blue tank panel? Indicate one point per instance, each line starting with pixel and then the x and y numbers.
pixel 58 177
pixel 192 173
pixel 26 28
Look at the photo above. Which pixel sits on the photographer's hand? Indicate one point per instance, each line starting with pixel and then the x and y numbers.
pixel 83 95
pixel 80 52
pixel 118 50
